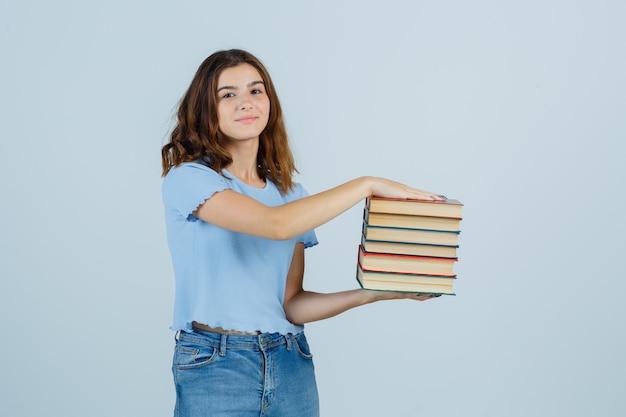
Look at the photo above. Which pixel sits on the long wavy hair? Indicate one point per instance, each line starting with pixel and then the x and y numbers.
pixel 197 135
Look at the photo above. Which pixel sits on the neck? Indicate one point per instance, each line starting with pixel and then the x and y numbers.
pixel 244 165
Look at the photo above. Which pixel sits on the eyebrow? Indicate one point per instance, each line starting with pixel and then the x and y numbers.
pixel 230 87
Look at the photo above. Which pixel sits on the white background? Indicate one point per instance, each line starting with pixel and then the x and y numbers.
pixel 515 108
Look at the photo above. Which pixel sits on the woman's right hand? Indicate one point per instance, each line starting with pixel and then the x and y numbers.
pixel 381 187
pixel 234 211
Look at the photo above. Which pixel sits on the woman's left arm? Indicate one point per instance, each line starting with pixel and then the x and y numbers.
pixel 305 306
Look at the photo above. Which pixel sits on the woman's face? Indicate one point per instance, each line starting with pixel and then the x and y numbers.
pixel 243 107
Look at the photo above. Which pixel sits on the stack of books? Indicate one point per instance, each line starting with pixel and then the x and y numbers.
pixel 409 245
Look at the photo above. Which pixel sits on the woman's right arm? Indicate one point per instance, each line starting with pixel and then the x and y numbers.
pixel 239 213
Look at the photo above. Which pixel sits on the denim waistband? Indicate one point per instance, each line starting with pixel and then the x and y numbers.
pixel 236 341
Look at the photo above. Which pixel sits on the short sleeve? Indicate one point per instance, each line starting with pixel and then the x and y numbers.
pixel 308 238
pixel 189 185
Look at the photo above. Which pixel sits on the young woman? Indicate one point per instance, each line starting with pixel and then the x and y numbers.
pixel 237 226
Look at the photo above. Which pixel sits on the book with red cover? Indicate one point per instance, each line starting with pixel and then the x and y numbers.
pixel 407 264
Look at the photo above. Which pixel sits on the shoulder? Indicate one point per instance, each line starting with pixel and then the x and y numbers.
pixel 298 190
pixel 189 171
pixel 192 180
pixel 189 168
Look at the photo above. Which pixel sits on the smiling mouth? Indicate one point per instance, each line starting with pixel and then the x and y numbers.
pixel 247 120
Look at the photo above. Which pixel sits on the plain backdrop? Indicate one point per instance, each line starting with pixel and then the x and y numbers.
pixel 515 108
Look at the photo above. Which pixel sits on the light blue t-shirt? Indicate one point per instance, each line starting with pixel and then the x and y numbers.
pixel 223 278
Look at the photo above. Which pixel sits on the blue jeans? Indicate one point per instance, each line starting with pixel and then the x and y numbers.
pixel 244 375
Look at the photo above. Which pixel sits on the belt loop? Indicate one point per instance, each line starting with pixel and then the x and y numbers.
pixel 288 337
pixel 223 344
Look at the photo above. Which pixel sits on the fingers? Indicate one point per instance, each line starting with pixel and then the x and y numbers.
pixel 395 295
pixel 424 297
pixel 389 188
pixel 392 189
pixel 427 195
pixel 435 197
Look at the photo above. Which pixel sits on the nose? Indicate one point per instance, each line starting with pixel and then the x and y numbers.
pixel 245 103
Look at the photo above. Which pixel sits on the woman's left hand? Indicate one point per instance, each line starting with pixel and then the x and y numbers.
pixel 394 295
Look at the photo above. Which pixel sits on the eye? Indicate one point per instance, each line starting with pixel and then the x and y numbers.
pixel 257 91
pixel 228 95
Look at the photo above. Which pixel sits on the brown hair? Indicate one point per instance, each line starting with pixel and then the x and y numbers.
pixel 197 135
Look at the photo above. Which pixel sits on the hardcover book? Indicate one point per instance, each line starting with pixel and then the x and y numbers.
pixel 403 248
pixel 406 221
pixel 397 234
pixel 408 264
pixel 433 208
pixel 388 281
